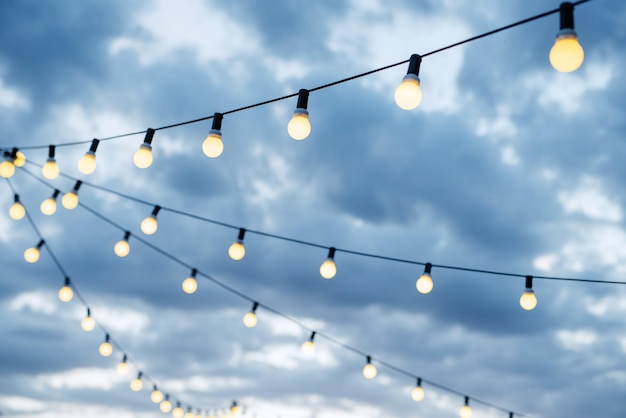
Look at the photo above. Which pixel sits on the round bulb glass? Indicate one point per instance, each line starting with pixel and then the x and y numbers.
pixel 566 54
pixel 48 207
pixel 213 145
pixel 189 415
pixel 50 170
pixel 88 324
pixel 156 396
pixel 328 269
pixel 136 385
pixel 369 371
pixel 17 211
pixel 7 169
pixel 528 300
pixel 250 320
pixel 408 95
pixel 165 406
pixel 70 200
pixel 308 347
pixel 122 248
pixel 87 164
pixel 122 368
pixel 143 156
pixel 106 349
pixel 149 225
pixel 20 159
pixel 178 412
pixel 299 126
pixel 190 285
pixel 31 255
pixel 66 294
pixel 465 412
pixel 417 394
pixel 236 251
pixel 424 284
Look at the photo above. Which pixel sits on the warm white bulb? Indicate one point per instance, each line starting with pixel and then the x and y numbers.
pixel 136 385
pixel 66 294
pixel 70 200
pixel 465 412
pixel 417 394
pixel 17 211
pixel 122 368
pixel 369 371
pixel 31 255
pixel 143 156
pixel 236 251
pixel 20 159
pixel 299 126
pixel 566 54
pixel 250 320
pixel 190 285
pixel 189 415
pixel 528 300
pixel 156 396
pixel 408 95
pixel 49 206
pixel 87 164
pixel 165 406
pixel 88 324
pixel 106 349
pixel 149 225
pixel 424 284
pixel 328 269
pixel 234 410
pixel 7 169
pixel 308 347
pixel 122 248
pixel 50 169
pixel 178 412
pixel 213 145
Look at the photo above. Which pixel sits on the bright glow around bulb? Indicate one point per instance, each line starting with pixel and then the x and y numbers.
pixel 236 251
pixel 149 225
pixel 88 324
pixel 48 207
pixel 66 294
pixel 165 406
pixel 465 412
pixel 408 95
pixel 178 412
pixel 566 54
pixel 190 285
pixel 528 300
pixel 328 269
pixel 122 248
pixel 20 159
pixel 250 319
pixel 122 368
pixel 369 371
pixel 7 169
pixel 308 347
pixel 299 126
pixel 136 385
pixel 213 145
pixel 424 284
pixel 417 394
pixel 50 170
pixel 70 200
pixel 87 164
pixel 143 156
pixel 31 255
pixel 106 349
pixel 189 415
pixel 156 396
pixel 17 211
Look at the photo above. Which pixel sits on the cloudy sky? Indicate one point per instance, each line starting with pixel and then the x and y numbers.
pixel 506 165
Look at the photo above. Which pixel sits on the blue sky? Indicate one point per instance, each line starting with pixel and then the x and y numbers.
pixel 506 165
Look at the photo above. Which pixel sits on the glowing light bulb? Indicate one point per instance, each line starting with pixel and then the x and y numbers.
pixel 122 247
pixel 237 251
pixel 49 206
pixel 105 349
pixel 213 146
pixel 122 367
pixel 87 164
pixel 66 294
pixel 408 95
pixel 156 395
pixel 143 156
pixel 149 225
pixel 70 200
pixel 299 126
pixel 328 269
pixel 17 210
pixel 136 384
pixel 88 324
pixel 50 169
pixel 166 405
pixel 190 284
pixel 308 347
pixel 189 414
pixel 528 300
pixel 178 412
pixel 7 169
pixel 20 159
pixel 466 411
pixel 250 320
pixel 424 284
pixel 417 394
pixel 234 408
pixel 566 55
pixel 369 371
pixel 31 255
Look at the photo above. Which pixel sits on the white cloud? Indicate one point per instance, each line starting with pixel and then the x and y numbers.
pixel 576 340
pixel 40 302
pixel 589 199
pixel 12 98
pixel 81 378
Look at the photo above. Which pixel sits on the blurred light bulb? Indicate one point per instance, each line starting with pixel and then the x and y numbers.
pixel 7 169
pixel 417 394
pixel 308 347
pixel 122 248
pixel 165 406
pixel 87 164
pixel 234 409
pixel 408 95
pixel 328 269
pixel 66 294
pixel 190 285
pixel 20 159
pixel 237 251
pixel 49 206
pixel 70 200
pixel 122 368
pixel 566 55
pixel 136 384
pixel 466 411
pixel 250 320
pixel 528 300
pixel 369 371
pixel 105 349
pixel 156 395
pixel 88 324
pixel 31 255
pixel 424 284
pixel 213 145
pixel 178 412
pixel 143 156
pixel 189 414
pixel 17 211
pixel 149 225
pixel 50 169
pixel 299 126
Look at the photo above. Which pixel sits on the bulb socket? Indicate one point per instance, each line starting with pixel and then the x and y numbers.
pixel 94 145
pixel 51 150
pixel 414 64
pixel 242 234
pixel 529 282
pixel 427 268
pixel 149 135
pixel 254 307
pixel 331 252
pixel 77 185
pixel 566 11
pixel 217 121
pixel 126 235
pixel 156 210
pixel 303 99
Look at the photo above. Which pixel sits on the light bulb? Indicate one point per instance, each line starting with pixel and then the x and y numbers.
pixel 49 206
pixel 190 285
pixel 50 169
pixel 88 324
pixel 465 412
pixel 31 255
pixel 149 225
pixel 143 156
pixel 308 347
pixel 136 385
pixel 237 251
pixel 20 159
pixel 369 371
pixel 165 406
pixel 156 395
pixel 250 320
pixel 408 95
pixel 528 300
pixel 70 200
pixel 17 211
pixel 122 368
pixel 299 126
pixel 424 284
pixel 66 294
pixel 417 394
pixel 7 169
pixel 105 349
pixel 178 412
pixel 328 269
pixel 122 248
pixel 213 145
pixel 189 414
pixel 87 164
pixel 566 55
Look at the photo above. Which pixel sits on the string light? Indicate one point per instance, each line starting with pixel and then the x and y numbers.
pixel 143 156
pixel 149 225
pixel 178 411
pixel 237 251
pixel 308 347
pixel 189 414
pixel 190 284
pixel 20 158
pixel 136 384
pixel 88 324
pixel 250 319
pixel 7 167
pixel 87 164
pixel 122 367
pixel 566 54
pixel 408 95
pixel 50 169
pixel 166 405
pixel 17 210
pixel 424 284
pixel 49 206
pixel 70 199
pixel 156 395
pixel 328 269
pixel 31 255
pixel 213 145
pixel 417 394
pixel 299 126
pixel 234 408
pixel 122 247
pixel 369 370
pixel 528 300
pixel 106 349
pixel 66 293
pixel 466 411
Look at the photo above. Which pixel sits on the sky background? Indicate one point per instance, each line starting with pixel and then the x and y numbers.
pixel 506 165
